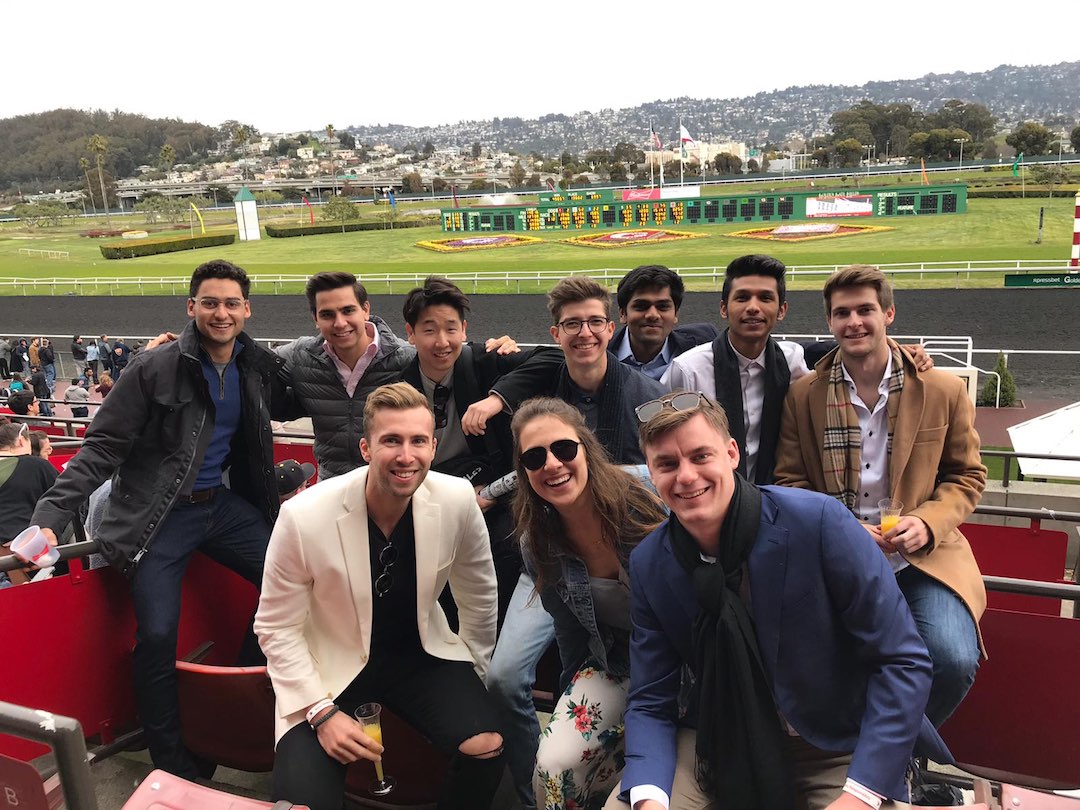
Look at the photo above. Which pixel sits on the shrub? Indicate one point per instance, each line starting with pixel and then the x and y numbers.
pixel 152 247
pixel 283 232
pixel 988 395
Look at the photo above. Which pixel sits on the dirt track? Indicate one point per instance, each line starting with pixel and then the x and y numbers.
pixel 995 319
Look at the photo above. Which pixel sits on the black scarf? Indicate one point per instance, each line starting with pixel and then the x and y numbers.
pixel 740 750
pixel 729 395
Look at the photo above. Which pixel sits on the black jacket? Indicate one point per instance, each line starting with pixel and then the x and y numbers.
pixel 683 337
pixel 476 373
pixel 151 434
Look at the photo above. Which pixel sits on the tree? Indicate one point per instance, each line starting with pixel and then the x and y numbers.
pixel 412 183
pixel 1049 175
pixel 517 175
pixel 479 184
pixel 989 149
pixel 167 157
pixel 428 150
pixel 49 214
pixel 347 140
pixel 155 207
pixel 1074 139
pixel 84 164
pixel 627 153
pixel 988 396
pixel 849 152
pixel 98 146
pixel 438 184
pixel 727 163
pixel 534 180
pixel 476 150
pixel 219 193
pixel 269 197
pixel 241 135
pixel 340 209
pixel 617 173
pixel 753 167
pixel 1030 138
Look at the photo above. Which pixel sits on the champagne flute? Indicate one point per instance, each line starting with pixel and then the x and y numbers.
pixel 368 716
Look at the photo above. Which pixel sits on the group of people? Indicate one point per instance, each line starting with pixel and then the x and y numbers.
pixel 696 524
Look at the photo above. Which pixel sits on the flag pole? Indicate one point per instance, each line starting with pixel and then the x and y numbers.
pixel 652 152
pixel 682 154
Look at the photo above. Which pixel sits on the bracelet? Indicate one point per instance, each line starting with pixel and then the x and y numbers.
pixel 326 702
pixel 324 718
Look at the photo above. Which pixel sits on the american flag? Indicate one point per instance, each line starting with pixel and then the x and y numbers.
pixel 654 139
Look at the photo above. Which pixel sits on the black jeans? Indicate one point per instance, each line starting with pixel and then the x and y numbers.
pixel 444 700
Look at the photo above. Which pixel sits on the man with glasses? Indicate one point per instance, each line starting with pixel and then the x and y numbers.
pixel 178 418
pixel 349 614
pixel 808 676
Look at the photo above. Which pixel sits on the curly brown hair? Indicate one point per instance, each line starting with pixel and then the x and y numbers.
pixel 627 509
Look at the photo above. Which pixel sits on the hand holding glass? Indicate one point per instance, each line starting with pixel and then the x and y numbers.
pixel 368 716
pixel 890 510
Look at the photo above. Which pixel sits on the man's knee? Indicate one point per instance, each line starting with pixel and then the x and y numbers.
pixel 955 663
pixel 483 746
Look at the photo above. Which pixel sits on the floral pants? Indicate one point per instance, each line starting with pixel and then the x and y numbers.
pixel 581 750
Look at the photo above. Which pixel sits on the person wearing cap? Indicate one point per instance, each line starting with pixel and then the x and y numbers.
pixel 292 477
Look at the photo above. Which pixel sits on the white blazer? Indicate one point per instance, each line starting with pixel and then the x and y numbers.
pixel 314 617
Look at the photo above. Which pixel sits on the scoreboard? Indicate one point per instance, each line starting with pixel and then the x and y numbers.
pixel 601 209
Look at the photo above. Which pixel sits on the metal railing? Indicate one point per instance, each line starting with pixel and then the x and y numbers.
pixel 65 736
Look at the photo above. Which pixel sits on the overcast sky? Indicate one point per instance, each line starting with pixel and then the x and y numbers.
pixel 301 65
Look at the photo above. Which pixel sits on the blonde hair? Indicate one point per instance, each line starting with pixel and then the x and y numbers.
pixel 670 419
pixel 858 275
pixel 399 396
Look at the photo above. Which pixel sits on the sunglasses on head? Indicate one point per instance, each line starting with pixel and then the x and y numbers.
pixel 679 402
pixel 563 449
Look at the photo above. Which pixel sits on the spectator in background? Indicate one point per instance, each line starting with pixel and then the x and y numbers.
pixel 89 377
pixel 17 383
pixel 40 445
pixel 24 403
pixel 20 356
pixel 292 477
pixel 92 357
pixel 78 350
pixel 120 356
pixel 5 358
pixel 40 388
pixel 75 394
pixel 48 363
pixel 25 479
pixel 105 353
pixel 33 351
pixel 105 385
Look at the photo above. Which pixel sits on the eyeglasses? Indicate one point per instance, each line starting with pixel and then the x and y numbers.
pixel 685 401
pixel 572 326
pixel 440 399
pixel 385 581
pixel 211 304
pixel 563 449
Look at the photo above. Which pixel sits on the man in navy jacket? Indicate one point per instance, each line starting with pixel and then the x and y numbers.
pixel 808 677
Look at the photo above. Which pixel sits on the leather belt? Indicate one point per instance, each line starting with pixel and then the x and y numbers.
pixel 198 496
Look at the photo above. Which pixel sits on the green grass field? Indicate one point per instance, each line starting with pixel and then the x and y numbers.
pixel 992 230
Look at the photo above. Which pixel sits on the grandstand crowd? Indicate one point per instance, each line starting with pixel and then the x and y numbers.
pixel 695 514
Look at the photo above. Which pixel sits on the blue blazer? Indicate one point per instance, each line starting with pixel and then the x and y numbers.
pixel 845 664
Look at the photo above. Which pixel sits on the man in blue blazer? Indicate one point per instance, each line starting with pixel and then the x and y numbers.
pixel 807 678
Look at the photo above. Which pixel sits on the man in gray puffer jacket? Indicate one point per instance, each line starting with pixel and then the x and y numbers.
pixel 331 374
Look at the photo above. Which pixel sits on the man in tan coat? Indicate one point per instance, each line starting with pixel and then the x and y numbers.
pixel 349 614
pixel 868 426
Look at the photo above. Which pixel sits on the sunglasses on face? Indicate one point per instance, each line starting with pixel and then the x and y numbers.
pixel 563 449
pixel 678 402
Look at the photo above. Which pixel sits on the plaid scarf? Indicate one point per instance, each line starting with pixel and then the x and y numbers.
pixel 843 437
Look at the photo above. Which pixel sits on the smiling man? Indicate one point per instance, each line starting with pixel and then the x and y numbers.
pixel 331 374
pixel 349 614
pixel 869 425
pixel 178 418
pixel 808 676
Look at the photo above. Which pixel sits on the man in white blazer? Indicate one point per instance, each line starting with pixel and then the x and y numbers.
pixel 349 614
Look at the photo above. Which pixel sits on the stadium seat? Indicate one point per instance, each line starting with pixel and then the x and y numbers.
pixel 1018 798
pixel 163 791
pixel 227 715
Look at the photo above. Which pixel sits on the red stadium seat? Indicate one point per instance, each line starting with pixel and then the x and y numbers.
pixel 1023 553
pixel 163 791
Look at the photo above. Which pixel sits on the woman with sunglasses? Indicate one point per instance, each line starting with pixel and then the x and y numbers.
pixel 580 516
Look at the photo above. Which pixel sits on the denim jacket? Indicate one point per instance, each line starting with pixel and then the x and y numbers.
pixel 569 601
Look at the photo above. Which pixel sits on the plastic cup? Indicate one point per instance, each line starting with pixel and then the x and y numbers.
pixel 890 510
pixel 32 547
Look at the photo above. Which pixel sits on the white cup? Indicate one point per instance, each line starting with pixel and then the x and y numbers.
pixel 32 547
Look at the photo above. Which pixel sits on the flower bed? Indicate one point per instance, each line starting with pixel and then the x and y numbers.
pixel 804 233
pixel 462 244
pixel 644 236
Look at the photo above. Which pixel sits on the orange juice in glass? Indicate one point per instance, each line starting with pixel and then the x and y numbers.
pixel 890 510
pixel 368 715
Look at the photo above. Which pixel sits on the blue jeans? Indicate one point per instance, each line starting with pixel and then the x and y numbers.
pixel 526 633
pixel 50 376
pixel 949 632
pixel 227 529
